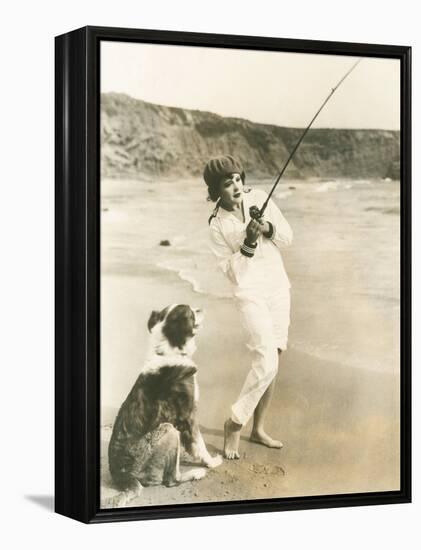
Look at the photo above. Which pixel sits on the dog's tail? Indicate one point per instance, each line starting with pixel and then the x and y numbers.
pixel 124 497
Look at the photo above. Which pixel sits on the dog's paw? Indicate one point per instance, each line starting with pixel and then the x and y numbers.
pixel 214 461
pixel 198 473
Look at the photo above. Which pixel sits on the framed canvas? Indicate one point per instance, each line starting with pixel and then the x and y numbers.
pixel 233 271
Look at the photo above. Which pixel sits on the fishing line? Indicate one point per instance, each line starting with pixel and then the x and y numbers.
pixel 255 212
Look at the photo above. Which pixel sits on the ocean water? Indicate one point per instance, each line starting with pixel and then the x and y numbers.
pixel 343 264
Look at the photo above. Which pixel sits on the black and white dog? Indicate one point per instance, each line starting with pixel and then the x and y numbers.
pixel 160 412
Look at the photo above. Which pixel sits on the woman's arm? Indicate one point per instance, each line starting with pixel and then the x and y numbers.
pixel 234 264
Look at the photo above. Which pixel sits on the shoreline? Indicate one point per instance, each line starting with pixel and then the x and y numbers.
pixel 338 423
pixel 258 179
pixel 171 276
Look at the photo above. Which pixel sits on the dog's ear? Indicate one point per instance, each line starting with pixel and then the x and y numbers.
pixel 153 319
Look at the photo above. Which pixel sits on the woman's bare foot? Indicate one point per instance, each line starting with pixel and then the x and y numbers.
pixel 231 439
pixel 263 438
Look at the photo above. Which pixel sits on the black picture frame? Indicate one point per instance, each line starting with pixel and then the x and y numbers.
pixel 77 275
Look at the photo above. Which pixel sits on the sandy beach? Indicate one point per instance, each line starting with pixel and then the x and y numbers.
pixel 336 405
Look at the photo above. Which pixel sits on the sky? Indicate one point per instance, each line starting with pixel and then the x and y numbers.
pixel 285 89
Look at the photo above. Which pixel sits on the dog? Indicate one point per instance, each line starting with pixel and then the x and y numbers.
pixel 160 413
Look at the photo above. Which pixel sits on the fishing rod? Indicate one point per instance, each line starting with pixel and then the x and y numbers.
pixel 257 213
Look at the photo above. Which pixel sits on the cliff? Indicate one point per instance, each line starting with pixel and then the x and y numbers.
pixel 140 138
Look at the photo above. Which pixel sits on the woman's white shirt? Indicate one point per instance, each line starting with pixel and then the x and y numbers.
pixel 266 267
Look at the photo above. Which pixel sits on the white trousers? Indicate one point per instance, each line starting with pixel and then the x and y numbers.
pixel 266 320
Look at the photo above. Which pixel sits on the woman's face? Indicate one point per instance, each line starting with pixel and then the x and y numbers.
pixel 231 191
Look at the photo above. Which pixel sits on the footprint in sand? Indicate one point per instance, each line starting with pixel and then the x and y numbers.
pixel 267 469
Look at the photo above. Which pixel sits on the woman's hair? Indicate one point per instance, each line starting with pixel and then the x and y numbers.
pixel 218 168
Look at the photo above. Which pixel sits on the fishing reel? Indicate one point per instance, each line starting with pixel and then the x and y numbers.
pixel 254 212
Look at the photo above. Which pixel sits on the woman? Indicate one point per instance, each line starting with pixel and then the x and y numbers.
pixel 248 252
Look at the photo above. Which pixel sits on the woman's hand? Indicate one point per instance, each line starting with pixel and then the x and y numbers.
pixel 253 231
pixel 264 225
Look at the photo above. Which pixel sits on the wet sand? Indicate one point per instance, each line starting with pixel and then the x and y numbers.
pixel 336 404
pixel 339 424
